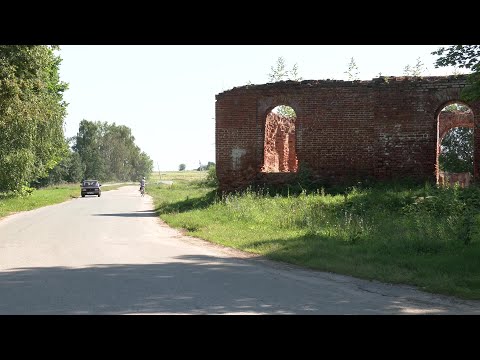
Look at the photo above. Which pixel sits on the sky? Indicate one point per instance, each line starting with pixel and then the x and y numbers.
pixel 166 93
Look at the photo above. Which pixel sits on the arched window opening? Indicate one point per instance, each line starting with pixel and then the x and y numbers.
pixel 279 146
pixel 455 145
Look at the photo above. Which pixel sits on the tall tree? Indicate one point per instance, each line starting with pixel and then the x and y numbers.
pixel 108 152
pixel 118 148
pixel 88 144
pixel 463 56
pixel 143 166
pixel 32 112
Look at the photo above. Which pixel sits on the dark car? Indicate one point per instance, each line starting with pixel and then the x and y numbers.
pixel 90 187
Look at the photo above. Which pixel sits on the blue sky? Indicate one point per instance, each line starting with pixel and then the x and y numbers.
pixel 166 93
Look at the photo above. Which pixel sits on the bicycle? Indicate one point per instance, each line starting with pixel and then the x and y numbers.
pixel 142 190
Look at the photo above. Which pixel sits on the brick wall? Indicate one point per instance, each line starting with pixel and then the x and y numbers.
pixel 279 146
pixel 384 128
pixel 449 120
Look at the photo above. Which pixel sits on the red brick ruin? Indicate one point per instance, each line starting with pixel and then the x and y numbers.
pixel 446 122
pixel 279 152
pixel 384 128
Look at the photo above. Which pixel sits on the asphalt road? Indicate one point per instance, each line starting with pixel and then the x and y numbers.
pixel 112 255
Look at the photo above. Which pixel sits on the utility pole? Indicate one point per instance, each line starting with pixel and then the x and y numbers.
pixel 158 166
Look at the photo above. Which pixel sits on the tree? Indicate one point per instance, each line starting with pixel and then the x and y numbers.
pixel 352 70
pixel 32 112
pixel 457 151
pixel 120 153
pixel 88 144
pixel 182 167
pixel 68 170
pixel 108 152
pixel 211 178
pixel 463 56
pixel 205 167
pixel 142 166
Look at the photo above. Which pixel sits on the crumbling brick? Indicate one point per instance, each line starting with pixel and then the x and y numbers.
pixel 385 128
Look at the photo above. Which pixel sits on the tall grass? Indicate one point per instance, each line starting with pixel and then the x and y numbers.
pixel 420 235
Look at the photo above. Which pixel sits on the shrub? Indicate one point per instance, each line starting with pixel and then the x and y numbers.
pixel 211 178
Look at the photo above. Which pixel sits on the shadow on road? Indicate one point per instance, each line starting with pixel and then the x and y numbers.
pixel 191 285
pixel 142 213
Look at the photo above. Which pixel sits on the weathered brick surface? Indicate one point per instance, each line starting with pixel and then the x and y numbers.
pixel 449 120
pixel 279 146
pixel 451 179
pixel 345 130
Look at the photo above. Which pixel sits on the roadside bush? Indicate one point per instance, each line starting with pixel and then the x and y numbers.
pixel 211 179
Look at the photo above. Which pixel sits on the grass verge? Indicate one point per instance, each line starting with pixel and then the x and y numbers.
pixel 421 236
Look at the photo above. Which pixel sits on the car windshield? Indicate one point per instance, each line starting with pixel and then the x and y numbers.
pixel 90 183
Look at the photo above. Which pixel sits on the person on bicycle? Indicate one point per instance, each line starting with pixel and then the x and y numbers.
pixel 142 183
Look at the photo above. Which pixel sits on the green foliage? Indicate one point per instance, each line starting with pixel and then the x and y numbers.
pixel 416 70
pixel 182 167
pixel 206 167
pixel 304 177
pixel 142 166
pixel 455 108
pixel 285 111
pixel 88 144
pixel 418 235
pixel 352 70
pixel 108 152
pixel 211 179
pixel 463 56
pixel 24 191
pixel 472 91
pixel 68 170
pixel 31 114
pixel 294 74
pixel 281 73
pixel 457 151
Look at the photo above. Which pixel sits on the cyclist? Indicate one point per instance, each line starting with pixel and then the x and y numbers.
pixel 142 185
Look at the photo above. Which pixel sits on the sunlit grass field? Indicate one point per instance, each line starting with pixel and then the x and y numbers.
pixel 177 176
pixel 417 235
